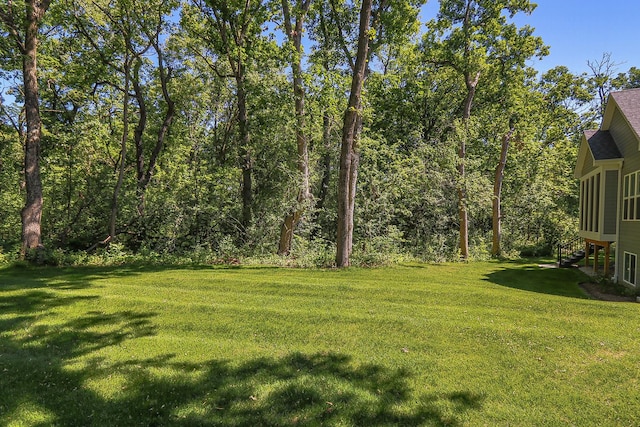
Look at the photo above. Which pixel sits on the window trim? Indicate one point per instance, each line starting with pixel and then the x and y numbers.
pixel 591 201
pixel 625 267
pixel 631 200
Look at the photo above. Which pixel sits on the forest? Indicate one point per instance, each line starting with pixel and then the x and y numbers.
pixel 322 132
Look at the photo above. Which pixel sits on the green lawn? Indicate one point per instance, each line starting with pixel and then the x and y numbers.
pixel 491 343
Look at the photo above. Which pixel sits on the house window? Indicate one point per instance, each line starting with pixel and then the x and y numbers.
pixel 629 274
pixel 590 203
pixel 631 197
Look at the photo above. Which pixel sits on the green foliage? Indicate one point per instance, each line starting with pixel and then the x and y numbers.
pixel 628 80
pixel 193 210
pixel 10 179
pixel 314 253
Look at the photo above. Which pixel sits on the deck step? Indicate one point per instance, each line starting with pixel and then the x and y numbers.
pixel 573 259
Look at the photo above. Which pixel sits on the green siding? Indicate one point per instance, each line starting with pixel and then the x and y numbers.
pixel 629 233
pixel 626 142
pixel 610 202
pixel 588 164
pixel 629 242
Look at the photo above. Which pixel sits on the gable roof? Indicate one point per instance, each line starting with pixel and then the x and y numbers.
pixel 599 143
pixel 602 145
pixel 628 102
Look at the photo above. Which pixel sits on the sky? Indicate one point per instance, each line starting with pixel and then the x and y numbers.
pixel 578 31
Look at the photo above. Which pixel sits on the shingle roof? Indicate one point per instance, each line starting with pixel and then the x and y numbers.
pixel 602 145
pixel 629 103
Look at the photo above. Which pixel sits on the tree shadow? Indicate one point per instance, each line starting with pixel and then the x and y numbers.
pixel 64 373
pixel 34 354
pixel 80 277
pixel 551 281
pixel 20 277
pixel 297 389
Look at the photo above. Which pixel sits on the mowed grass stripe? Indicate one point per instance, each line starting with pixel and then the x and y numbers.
pixel 495 343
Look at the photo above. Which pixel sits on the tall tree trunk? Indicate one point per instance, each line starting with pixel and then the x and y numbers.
pixel 123 152
pixel 31 214
pixel 496 250
pixel 144 175
pixel 165 77
pixel 236 31
pixel 138 134
pixel 244 152
pixel 471 82
pixel 349 157
pixel 304 193
pixel 326 171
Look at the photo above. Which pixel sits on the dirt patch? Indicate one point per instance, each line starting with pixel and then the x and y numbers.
pixel 596 292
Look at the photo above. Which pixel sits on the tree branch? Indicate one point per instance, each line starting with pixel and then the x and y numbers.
pixel 341 38
pixel 7 17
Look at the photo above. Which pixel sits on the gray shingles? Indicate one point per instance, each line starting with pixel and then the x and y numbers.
pixel 629 103
pixel 602 145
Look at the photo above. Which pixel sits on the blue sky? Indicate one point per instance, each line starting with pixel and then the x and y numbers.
pixel 578 31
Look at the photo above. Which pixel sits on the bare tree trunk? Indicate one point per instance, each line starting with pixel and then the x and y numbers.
pixel 123 152
pixel 31 214
pixel 138 134
pixel 496 250
pixel 349 158
pixel 244 152
pixel 165 77
pixel 142 119
pixel 32 211
pixel 234 31
pixel 353 179
pixel 326 136
pixel 304 193
pixel 144 176
pixel 471 83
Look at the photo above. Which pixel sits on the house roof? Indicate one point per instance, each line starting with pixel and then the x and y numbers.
pixel 602 145
pixel 599 143
pixel 628 102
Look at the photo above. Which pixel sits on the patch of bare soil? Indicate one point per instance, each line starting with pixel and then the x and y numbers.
pixel 595 291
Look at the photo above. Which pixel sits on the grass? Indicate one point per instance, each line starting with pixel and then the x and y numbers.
pixel 487 343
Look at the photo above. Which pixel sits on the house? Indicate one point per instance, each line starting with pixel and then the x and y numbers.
pixel 608 167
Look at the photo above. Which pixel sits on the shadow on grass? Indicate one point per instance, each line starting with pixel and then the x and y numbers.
pixel 70 371
pixel 24 277
pixel 551 281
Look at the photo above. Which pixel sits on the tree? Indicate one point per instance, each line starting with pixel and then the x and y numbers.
pixel 540 197
pixel 110 32
pixel 628 80
pixel 24 29
pixel 121 35
pixel 470 36
pixel 11 158
pixel 389 22
pixel 152 29
pixel 350 133
pixel 409 165
pixel 233 30
pixel 293 29
pixel 603 71
pixel 514 84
